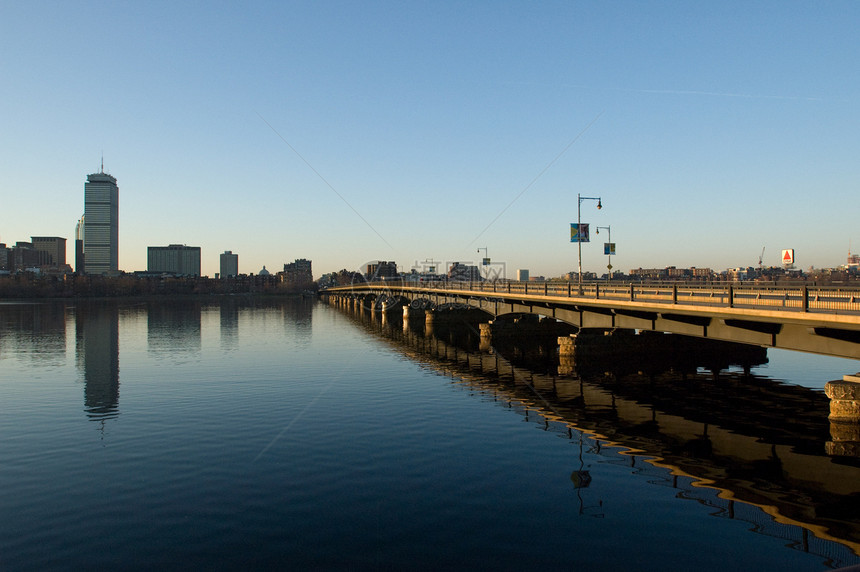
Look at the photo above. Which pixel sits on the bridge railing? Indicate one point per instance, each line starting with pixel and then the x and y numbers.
pixel 803 298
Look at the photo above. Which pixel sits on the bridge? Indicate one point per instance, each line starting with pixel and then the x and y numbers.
pixel 817 319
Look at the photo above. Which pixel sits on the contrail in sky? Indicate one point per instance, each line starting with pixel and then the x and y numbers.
pixel 538 176
pixel 323 179
pixel 723 94
pixel 699 92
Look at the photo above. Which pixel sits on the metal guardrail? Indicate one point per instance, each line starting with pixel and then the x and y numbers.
pixel 825 299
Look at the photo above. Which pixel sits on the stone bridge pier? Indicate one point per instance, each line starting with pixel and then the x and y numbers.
pixel 621 351
pixel 844 416
pixel 527 332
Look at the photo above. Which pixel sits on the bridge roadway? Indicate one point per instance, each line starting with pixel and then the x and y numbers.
pixel 816 319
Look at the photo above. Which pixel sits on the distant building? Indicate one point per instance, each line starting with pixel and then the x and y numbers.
pixel 5 258
pixel 51 249
pixel 24 256
pixel 327 280
pixel 381 270
pixel 426 274
pixel 101 223
pixel 229 264
pixel 649 272
pixel 264 272
pixel 298 273
pixel 173 259
pixel 671 273
pixel 574 276
pixel 464 273
pixel 522 274
pixel 80 264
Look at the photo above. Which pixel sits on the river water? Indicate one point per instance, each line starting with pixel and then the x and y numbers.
pixel 237 434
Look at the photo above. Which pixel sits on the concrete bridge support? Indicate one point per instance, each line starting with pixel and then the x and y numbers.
pixel 591 346
pixel 429 321
pixel 527 337
pixel 411 317
pixel 621 351
pixel 844 416
pixel 486 342
pixel 567 355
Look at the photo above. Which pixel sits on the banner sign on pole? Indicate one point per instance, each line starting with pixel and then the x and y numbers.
pixel 486 262
pixel 579 232
pixel 609 248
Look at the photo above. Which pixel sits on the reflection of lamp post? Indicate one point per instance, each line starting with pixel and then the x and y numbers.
pixel 579 200
pixel 581 479
pixel 608 249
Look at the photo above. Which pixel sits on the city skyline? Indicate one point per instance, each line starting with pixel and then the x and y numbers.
pixel 347 133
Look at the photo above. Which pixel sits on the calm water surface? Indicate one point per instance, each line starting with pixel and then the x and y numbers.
pixel 286 433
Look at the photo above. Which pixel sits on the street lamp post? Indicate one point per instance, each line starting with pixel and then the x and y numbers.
pixel 579 200
pixel 608 250
pixel 486 259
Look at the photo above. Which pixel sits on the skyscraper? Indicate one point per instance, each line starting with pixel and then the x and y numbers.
pixel 101 223
pixel 51 249
pixel 229 264
pixel 174 259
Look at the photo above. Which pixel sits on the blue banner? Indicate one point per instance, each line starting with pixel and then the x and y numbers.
pixel 579 232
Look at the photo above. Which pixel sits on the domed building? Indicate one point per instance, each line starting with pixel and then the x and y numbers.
pixel 264 272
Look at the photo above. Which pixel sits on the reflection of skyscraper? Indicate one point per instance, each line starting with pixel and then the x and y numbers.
pixel 34 330
pixel 229 322
pixel 173 327
pixel 97 329
pixel 101 223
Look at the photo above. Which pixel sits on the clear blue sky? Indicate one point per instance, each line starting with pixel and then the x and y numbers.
pixel 709 129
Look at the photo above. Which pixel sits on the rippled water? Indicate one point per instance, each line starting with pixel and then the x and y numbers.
pixel 236 435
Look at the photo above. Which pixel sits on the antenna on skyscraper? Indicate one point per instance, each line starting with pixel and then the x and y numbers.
pixel 103 163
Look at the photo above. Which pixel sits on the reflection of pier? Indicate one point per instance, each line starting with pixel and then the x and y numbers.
pixel 750 447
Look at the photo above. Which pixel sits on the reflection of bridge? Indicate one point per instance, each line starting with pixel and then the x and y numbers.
pixel 770 473
pixel 823 320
